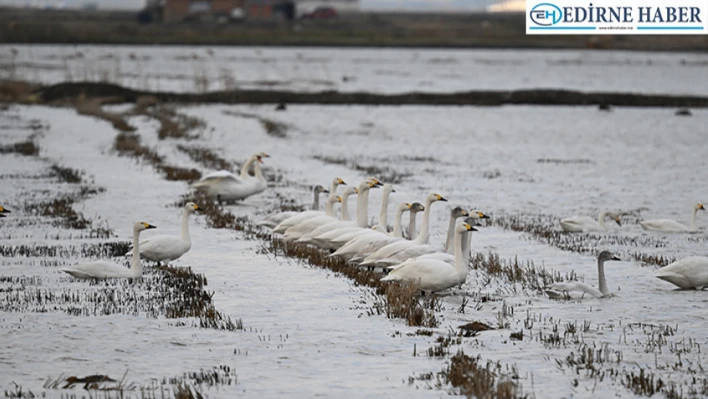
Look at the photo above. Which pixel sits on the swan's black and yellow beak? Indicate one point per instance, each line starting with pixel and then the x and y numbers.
pixel 325 191
pixel 440 197
pixel 260 158
pixel 618 222
pixel 3 210
pixel 149 226
pixel 196 207
pixel 616 258
pixel 340 181
pixel 482 215
pixel 701 208
pixel 356 190
pixel 469 227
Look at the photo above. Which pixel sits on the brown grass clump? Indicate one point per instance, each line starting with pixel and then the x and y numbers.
pixel 477 381
pixel 27 148
pixel 66 175
pixel 172 123
pixel 513 271
pixel 60 208
pixel 206 157
pixel 180 174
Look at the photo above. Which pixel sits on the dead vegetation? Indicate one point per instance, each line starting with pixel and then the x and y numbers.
pixel 66 175
pixel 205 157
pixel 271 127
pixel 513 272
pixel 26 148
pixel 62 210
pixel 128 144
pixel 475 380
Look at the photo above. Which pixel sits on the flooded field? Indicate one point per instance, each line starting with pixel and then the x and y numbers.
pixel 253 318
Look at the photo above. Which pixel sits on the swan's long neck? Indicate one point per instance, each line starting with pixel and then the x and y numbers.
pixel 424 234
pixel 601 219
pixel 397 230
pixel 601 277
pixel 329 207
pixel 258 172
pixel 316 201
pixel 411 225
pixel 362 208
pixel 136 269
pixel 460 261
pixel 185 228
pixel 467 246
pixel 247 166
pixel 333 189
pixel 383 215
pixel 693 219
pixel 345 208
pixel 449 243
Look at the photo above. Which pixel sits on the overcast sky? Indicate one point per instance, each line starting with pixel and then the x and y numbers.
pixel 365 4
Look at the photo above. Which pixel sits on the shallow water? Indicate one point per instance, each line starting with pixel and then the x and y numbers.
pixel 179 68
pixel 306 330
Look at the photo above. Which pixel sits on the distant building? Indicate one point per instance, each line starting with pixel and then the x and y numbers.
pixel 341 6
pixel 270 9
pixel 179 10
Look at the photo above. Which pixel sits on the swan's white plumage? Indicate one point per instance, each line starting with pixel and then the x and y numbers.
pixel 274 219
pixel 166 248
pixel 585 224
pixel 225 186
pixel 672 226
pixel 295 219
pixel 102 269
pixel 578 290
pixel 687 273
pixel 306 226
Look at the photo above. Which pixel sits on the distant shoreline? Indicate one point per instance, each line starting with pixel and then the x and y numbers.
pixel 366 30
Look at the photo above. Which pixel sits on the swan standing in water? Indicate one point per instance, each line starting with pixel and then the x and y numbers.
pixel 378 244
pixel 226 187
pixel 274 219
pixel 433 275
pixel 577 290
pixel 166 248
pixel 295 219
pixel 297 231
pixel 583 223
pixel 3 212
pixel 352 247
pixel 415 251
pixel 672 226
pixel 376 258
pixel 101 269
pixel 335 235
pixel 688 273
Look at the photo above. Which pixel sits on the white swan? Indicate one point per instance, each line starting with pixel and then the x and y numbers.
pixel 344 210
pixel 577 290
pixel 672 226
pixel 3 212
pixel 101 269
pixel 417 207
pixel 389 250
pixel 274 219
pixel 225 186
pixel 307 225
pixel 433 275
pixel 473 221
pixel 688 273
pixel 335 235
pixel 165 248
pixel 584 223
pixel 414 251
pixel 352 247
pixel 295 219
pixel 378 244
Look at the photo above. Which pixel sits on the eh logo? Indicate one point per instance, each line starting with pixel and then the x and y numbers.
pixel 546 14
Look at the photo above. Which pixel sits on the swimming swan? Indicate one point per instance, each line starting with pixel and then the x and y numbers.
pixel 576 290
pixel 688 273
pixel 225 186
pixel 353 246
pixel 274 219
pixel 672 226
pixel 295 219
pixel 584 223
pixel 395 247
pixel 101 269
pixel 297 231
pixel 3 212
pixel 432 275
pixel 166 248
pixel 414 251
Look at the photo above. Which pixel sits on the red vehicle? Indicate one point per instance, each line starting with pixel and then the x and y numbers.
pixel 321 13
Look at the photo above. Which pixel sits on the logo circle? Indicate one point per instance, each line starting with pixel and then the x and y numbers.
pixel 546 14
